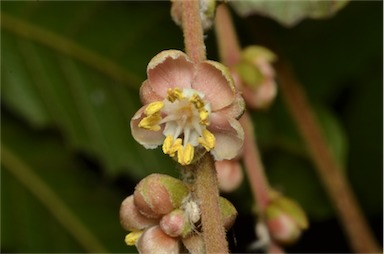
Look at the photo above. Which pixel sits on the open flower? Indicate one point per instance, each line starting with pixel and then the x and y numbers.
pixel 189 108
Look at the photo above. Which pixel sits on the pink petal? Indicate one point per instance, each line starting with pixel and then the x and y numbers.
pixel 235 109
pixel 149 139
pixel 229 137
pixel 147 95
pixel 168 69
pixel 214 80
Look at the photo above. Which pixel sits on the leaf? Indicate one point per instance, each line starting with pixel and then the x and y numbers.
pixel 289 12
pixel 82 77
pixel 51 202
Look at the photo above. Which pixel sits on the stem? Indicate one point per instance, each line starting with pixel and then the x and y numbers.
pixel 193 30
pixel 253 165
pixel 206 185
pixel 207 192
pixel 229 47
pixel 229 50
pixel 336 184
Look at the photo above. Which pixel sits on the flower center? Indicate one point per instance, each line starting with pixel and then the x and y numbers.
pixel 186 117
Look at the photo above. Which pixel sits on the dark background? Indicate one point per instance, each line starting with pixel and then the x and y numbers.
pixel 65 117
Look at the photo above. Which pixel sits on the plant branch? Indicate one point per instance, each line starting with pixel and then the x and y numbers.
pixel 335 182
pixel 193 30
pixel 253 165
pixel 206 187
pixel 228 44
pixel 230 54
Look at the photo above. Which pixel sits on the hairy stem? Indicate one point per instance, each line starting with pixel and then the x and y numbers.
pixel 229 48
pixel 335 182
pixel 253 165
pixel 206 187
pixel 193 30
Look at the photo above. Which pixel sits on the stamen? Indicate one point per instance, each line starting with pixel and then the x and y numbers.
pixel 185 154
pixel 170 146
pixel 174 94
pixel 151 122
pixel 154 107
pixel 207 140
pixel 197 101
pixel 203 113
pixel 132 237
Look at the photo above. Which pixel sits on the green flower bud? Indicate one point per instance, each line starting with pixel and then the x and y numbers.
pixel 285 220
pixel 228 212
pixel 158 194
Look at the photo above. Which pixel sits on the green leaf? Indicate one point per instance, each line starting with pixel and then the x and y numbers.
pixel 50 201
pixel 82 77
pixel 287 12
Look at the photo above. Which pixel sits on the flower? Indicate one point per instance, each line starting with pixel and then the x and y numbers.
pixel 189 108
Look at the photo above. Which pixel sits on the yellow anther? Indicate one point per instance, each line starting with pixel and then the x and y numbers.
pixel 132 237
pixel 203 113
pixel 174 94
pixel 151 122
pixel 197 101
pixel 170 146
pixel 185 154
pixel 207 140
pixel 154 107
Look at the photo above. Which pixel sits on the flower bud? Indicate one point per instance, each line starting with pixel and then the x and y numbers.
pixel 176 224
pixel 228 212
pixel 154 240
pixel 159 194
pixel 229 174
pixel 131 219
pixel 256 75
pixel 285 220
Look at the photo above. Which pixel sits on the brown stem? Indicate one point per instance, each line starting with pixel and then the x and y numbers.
pixel 230 54
pixel 206 187
pixel 336 184
pixel 229 47
pixel 253 165
pixel 193 30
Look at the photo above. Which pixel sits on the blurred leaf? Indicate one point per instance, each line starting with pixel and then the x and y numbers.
pixel 50 202
pixel 289 12
pixel 75 75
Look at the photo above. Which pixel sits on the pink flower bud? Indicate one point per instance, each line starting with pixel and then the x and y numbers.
pixel 131 219
pixel 154 240
pixel 176 224
pixel 285 220
pixel 159 194
pixel 229 174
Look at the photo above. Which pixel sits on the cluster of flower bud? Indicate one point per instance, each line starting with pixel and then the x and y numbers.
pixel 162 213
